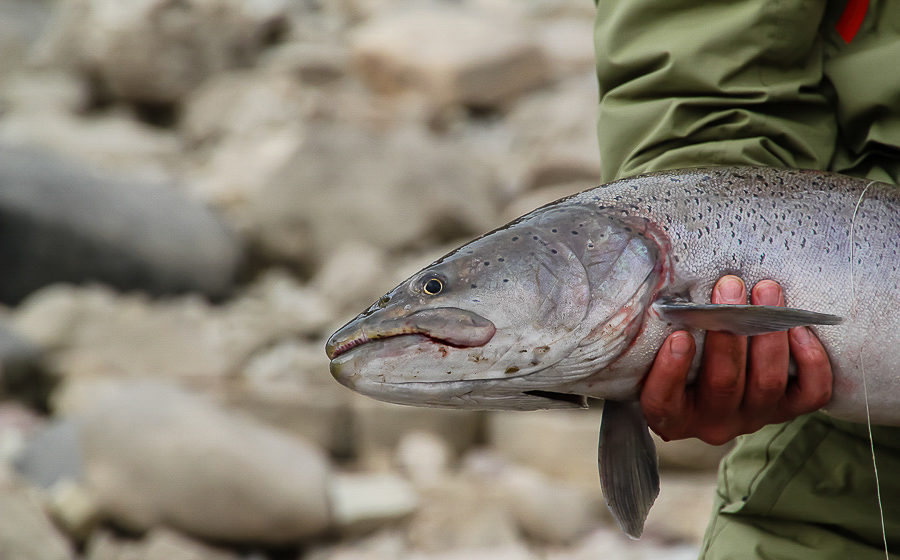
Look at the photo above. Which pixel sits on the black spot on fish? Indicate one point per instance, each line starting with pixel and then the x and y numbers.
pixel 501 259
pixel 487 263
pixel 574 232
pixel 511 369
pixel 554 230
pixel 474 286
pixel 506 279
pixel 554 251
pixel 535 237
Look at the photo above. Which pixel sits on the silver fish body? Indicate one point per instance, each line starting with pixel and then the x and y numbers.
pixel 575 298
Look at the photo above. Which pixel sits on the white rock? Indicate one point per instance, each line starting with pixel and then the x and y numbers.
pixel 683 508
pixel 53 91
pixel 424 457
pixel 401 188
pixel 159 544
pixel 462 513
pixel 354 275
pixel 26 532
pixel 550 511
pixel 562 444
pixel 504 552
pixel 454 56
pixel 379 428
pixel 360 502
pixel 568 45
pixel 154 51
pixel 155 455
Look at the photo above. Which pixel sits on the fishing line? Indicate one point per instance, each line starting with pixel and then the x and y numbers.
pixel 862 370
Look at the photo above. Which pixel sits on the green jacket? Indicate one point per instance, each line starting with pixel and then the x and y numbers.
pixel 763 82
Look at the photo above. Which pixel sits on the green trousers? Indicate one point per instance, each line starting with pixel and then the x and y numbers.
pixel 806 489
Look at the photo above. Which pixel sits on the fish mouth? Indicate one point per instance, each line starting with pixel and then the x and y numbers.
pixel 443 325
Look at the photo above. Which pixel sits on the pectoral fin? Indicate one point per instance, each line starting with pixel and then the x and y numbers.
pixel 629 470
pixel 745 320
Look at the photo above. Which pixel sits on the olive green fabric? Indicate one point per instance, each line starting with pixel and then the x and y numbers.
pixel 806 489
pixel 761 82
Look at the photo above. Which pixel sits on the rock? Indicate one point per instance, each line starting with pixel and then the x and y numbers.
pixel 462 513
pixel 683 509
pixel 504 552
pixel 113 141
pixel 159 544
pixel 52 455
pixel 153 51
pixel 562 444
pixel 384 545
pixel 361 502
pixel 288 385
pixel 24 374
pixel 567 44
pixel 73 509
pixel 553 512
pixel 47 91
pixel 690 454
pixel 17 424
pixel 20 24
pixel 314 64
pixel 424 457
pixel 354 275
pixel 69 225
pixel 452 55
pixel 400 188
pixel 26 533
pixel 93 331
pixel 379 427
pixel 155 455
pixel 612 543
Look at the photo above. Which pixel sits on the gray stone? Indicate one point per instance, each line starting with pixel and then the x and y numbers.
pixel 155 455
pixel 378 428
pixel 361 502
pixel 393 188
pixel 453 55
pixel 424 458
pixel 52 455
pixel 69 225
pixel 26 532
pixel 462 513
pixel 159 544
pixel 24 373
pixel 562 444
pixel 153 51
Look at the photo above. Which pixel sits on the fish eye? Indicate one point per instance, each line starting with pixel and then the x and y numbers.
pixel 433 287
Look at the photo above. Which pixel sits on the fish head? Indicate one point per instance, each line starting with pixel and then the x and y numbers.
pixel 483 326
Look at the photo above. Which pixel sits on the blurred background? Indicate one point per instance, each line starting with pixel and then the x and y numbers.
pixel 194 194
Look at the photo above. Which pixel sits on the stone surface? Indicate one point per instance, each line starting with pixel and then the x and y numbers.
pixel 70 225
pixel 52 455
pixel 26 532
pixel 361 502
pixel 153 51
pixel 155 455
pixel 393 188
pixel 452 55
pixel 424 458
pixel 159 544
pixel 562 444
pixel 92 331
pixel 683 508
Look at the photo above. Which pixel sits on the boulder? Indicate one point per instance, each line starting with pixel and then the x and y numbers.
pixel 60 223
pixel 453 55
pixel 159 544
pixel 155 455
pixel 155 51
pixel 394 188
pixel 26 532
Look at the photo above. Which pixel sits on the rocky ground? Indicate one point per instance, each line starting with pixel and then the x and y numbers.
pixel 195 194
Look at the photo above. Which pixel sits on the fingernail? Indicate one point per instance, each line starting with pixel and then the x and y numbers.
pixel 802 335
pixel 768 293
pixel 730 290
pixel 680 344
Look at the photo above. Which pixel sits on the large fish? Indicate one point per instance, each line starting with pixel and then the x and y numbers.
pixel 574 299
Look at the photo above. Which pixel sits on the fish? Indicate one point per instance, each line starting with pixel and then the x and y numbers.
pixel 573 300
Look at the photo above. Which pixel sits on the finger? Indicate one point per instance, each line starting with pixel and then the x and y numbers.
pixel 769 355
pixel 720 387
pixel 813 387
pixel 664 401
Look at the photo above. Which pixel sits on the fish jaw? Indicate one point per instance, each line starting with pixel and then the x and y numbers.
pixel 451 326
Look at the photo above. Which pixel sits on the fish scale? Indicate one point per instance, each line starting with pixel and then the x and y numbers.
pixel 573 300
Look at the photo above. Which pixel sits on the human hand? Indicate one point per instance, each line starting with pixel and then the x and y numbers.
pixel 737 391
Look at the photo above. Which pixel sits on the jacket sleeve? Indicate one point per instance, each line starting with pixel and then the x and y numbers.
pixel 709 82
